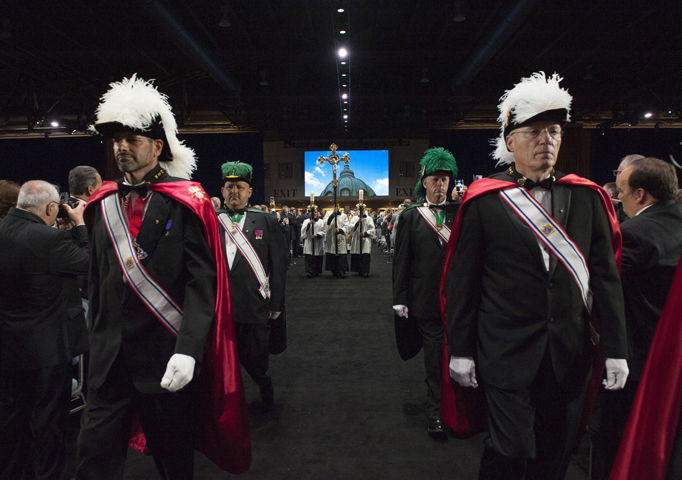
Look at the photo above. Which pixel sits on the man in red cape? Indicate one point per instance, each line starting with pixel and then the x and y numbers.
pixel 515 301
pixel 163 359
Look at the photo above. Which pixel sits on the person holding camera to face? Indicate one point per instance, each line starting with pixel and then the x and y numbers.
pixel 35 362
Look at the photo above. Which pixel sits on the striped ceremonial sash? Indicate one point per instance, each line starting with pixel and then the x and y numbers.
pixel 430 217
pixel 152 295
pixel 248 252
pixel 553 235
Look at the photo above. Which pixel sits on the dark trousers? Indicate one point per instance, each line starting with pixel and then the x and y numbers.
pixel 531 430
pixel 34 417
pixel 607 426
pixel 431 330
pixel 167 420
pixel 297 243
pixel 360 263
pixel 313 264
pixel 336 264
pixel 253 346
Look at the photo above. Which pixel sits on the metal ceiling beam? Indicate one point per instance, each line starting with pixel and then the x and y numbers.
pixel 490 45
pixel 185 41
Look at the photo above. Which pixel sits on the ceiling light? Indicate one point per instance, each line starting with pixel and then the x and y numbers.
pixel 343 74
pixel 346 101
pixel 345 116
pixel 340 10
pixel 459 17
pixel 344 86
pixel 343 63
pixel 342 32
pixel 224 20
pixel 648 115
pixel 344 96
pixel 343 52
pixel 54 123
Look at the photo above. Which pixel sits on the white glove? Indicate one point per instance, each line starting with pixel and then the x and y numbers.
pixel 400 310
pixel 179 372
pixel 616 373
pixel 463 371
pixel 274 315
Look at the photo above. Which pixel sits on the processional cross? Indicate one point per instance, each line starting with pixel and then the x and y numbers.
pixel 334 160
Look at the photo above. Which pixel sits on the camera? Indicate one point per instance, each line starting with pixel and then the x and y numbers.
pixel 459 186
pixel 65 198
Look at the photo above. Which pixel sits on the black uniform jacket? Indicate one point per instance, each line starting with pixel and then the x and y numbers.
pixel 265 235
pixel 418 263
pixel 34 260
pixel 652 243
pixel 180 261
pixel 505 309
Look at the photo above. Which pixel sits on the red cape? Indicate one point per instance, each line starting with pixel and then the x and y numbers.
pixel 645 449
pixel 223 431
pixel 465 410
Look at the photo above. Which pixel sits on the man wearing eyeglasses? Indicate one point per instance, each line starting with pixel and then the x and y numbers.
pixel 35 365
pixel 625 162
pixel 533 257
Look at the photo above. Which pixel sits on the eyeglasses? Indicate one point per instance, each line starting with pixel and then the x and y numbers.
pixel 616 172
pixel 555 132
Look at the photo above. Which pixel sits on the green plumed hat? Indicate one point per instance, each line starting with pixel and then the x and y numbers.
pixel 237 171
pixel 434 160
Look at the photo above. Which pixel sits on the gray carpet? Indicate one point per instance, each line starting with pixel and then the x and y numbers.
pixel 346 406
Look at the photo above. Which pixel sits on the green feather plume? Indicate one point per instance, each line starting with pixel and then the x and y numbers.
pixel 434 160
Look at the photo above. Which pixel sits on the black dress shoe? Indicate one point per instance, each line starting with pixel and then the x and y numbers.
pixel 436 429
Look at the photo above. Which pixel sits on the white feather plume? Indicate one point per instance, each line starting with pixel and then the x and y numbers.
pixel 135 103
pixel 531 96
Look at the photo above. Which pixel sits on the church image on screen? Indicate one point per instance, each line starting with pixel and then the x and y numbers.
pixel 349 186
pixel 366 171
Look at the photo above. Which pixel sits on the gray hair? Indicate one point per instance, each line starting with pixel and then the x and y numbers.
pixel 35 195
pixel 80 178
pixel 627 160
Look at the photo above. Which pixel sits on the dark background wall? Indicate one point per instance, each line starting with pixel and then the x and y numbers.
pixel 51 159
pixel 590 153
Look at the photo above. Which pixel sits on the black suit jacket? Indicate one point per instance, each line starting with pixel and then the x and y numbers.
pixel 652 244
pixel 33 320
pixel 506 309
pixel 180 261
pixel 418 263
pixel 266 237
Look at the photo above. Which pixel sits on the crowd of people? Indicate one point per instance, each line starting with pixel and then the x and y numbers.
pixel 534 295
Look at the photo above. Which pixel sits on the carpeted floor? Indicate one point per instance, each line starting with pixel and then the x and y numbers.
pixel 346 406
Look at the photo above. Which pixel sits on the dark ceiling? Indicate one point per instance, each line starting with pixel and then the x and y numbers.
pixel 274 68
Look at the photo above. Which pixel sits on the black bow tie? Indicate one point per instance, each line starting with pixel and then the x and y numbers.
pixel 239 211
pixel 141 189
pixel 528 184
pixel 433 205
pixel 547 183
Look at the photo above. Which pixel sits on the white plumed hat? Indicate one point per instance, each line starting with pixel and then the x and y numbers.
pixel 136 104
pixel 533 99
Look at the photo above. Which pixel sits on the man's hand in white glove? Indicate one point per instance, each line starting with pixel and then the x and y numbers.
pixel 400 310
pixel 463 371
pixel 179 372
pixel 274 315
pixel 616 373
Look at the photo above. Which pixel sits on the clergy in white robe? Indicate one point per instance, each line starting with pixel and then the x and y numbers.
pixel 336 257
pixel 313 245
pixel 362 231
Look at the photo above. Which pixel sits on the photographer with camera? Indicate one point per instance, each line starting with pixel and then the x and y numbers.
pixel 35 364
